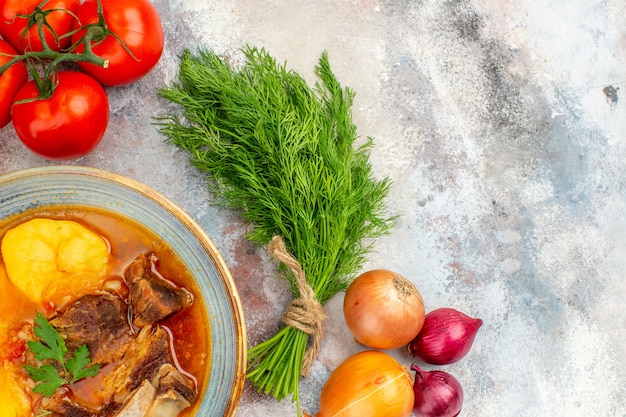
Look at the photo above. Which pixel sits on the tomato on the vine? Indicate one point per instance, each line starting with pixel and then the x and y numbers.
pixel 10 81
pixel 138 26
pixel 59 18
pixel 69 124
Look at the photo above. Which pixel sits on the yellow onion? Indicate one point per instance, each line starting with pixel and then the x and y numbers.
pixel 383 309
pixel 368 384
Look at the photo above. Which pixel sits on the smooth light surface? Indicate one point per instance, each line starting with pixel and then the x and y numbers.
pixel 502 124
pixel 29 189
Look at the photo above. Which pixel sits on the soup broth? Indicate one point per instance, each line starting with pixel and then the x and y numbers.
pixel 127 240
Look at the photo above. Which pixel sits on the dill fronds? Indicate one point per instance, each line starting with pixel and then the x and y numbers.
pixel 284 154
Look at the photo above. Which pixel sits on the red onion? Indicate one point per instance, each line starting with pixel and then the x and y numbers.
pixel 437 394
pixel 447 336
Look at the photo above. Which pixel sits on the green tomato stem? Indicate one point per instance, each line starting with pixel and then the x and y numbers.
pixel 44 64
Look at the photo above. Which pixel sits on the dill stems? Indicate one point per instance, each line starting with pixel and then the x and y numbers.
pixel 285 155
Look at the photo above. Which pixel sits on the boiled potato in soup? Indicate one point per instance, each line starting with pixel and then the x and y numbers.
pixel 45 257
pixel 13 400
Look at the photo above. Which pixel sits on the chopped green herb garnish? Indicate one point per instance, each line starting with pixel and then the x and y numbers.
pixel 51 347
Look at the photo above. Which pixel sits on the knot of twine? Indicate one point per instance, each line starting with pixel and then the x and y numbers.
pixel 304 313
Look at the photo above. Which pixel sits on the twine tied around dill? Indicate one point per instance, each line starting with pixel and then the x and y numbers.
pixel 304 313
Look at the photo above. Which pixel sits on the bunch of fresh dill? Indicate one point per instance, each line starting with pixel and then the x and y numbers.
pixel 285 155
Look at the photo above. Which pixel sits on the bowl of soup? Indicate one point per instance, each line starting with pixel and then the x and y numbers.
pixel 113 302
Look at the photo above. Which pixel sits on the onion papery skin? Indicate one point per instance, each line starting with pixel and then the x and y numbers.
pixel 383 309
pixel 446 337
pixel 437 394
pixel 368 384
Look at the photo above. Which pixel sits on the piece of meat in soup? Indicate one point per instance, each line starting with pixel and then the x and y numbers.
pixel 153 298
pixel 100 321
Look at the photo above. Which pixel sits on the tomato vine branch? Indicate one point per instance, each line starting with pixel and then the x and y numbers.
pixel 43 64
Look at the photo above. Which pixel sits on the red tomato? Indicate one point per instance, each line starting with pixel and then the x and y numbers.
pixel 12 27
pixel 67 125
pixel 138 25
pixel 10 81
